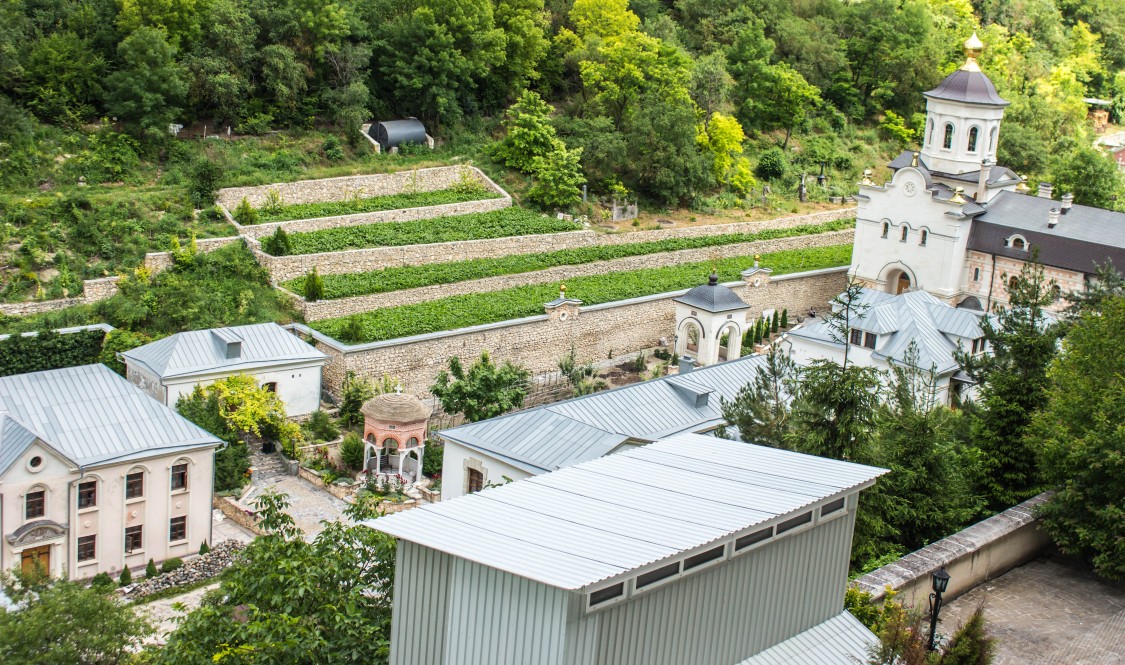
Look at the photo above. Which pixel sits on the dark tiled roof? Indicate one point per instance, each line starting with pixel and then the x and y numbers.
pixel 969 87
pixel 712 297
pixel 1085 236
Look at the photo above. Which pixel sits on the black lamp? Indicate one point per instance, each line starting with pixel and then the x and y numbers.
pixel 940 582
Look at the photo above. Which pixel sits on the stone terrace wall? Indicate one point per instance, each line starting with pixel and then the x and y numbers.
pixel 282 268
pixel 327 309
pixel 365 186
pixel 538 342
pixel 93 290
pixel 157 262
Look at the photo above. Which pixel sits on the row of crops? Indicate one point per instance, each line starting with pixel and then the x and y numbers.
pixel 407 277
pixel 276 211
pixel 521 301
pixel 477 226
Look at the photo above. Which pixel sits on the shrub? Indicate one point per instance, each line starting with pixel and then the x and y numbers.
pixel 151 570
pixel 774 323
pixel 333 150
pixel 355 391
pixel 351 451
pixel 257 124
pixel 321 427
pixel 126 577
pixel 102 581
pixel 245 213
pixel 432 459
pixel 772 164
pixel 784 319
pixel 314 286
pixel 171 564
pixel 49 350
pixel 203 183
pixel 277 244
pixel 272 203
pixel 204 548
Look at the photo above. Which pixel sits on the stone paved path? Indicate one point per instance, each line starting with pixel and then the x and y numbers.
pixel 1048 612
pixel 308 504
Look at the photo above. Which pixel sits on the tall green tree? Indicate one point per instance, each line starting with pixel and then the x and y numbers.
pixel 1081 440
pixel 529 133
pixel 1012 378
pixel 149 88
pixel 558 178
pixel 486 390
pixel 1090 175
pixel 760 410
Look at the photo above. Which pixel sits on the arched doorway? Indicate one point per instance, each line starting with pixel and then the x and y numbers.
pixel 898 281
pixel 689 337
pixel 730 342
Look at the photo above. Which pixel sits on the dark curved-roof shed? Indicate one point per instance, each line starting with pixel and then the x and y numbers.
pixel 396 408
pixel 393 133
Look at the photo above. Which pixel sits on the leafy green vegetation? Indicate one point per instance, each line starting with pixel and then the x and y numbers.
pixel 478 226
pixel 407 277
pixel 479 308
pixel 371 204
pixel 49 350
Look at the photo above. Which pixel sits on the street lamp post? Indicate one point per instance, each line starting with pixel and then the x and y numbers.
pixel 940 584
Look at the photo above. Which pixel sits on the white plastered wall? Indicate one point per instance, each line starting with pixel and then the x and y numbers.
pixel 297 385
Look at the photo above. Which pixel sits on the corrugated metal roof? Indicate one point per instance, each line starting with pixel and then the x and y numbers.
pixel 557 435
pixel 14 440
pixel 202 351
pixel 91 415
pixel 915 316
pixel 582 525
pixel 841 640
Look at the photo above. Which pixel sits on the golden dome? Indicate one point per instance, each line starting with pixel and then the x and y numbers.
pixel 973 48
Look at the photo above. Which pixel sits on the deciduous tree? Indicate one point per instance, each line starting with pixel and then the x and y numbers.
pixel 485 391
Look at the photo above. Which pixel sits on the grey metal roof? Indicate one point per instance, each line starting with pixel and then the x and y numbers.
pixel 90 415
pixel 204 351
pixel 563 433
pixel 914 316
pixel 968 86
pixel 14 440
pixel 600 519
pixel 1084 235
pixel 841 640
pixel 712 297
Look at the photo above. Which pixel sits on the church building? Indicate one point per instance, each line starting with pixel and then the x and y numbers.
pixel 954 223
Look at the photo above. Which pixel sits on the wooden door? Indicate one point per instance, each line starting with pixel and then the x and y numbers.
pixel 36 559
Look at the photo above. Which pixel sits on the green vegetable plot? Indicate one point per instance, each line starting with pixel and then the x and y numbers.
pixel 408 277
pixel 479 308
pixel 286 213
pixel 478 226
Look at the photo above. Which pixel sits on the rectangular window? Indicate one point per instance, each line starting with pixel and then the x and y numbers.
pixel 832 507
pixel 753 538
pixel 177 529
pixel 133 539
pixel 609 593
pixel 856 336
pixel 87 548
pixel 976 274
pixel 869 340
pixel 179 477
pixel 976 343
pixel 36 504
pixel 88 494
pixel 135 485
pixel 789 525
pixel 654 576
pixel 703 557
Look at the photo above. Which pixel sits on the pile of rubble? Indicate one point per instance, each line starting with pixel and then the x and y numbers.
pixel 199 568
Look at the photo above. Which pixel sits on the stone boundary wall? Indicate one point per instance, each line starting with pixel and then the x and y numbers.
pixel 537 342
pixel 236 513
pixel 973 556
pixel 366 186
pixel 93 290
pixel 282 268
pixel 157 262
pixel 327 309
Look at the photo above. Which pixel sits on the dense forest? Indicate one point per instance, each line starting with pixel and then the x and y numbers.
pixel 635 85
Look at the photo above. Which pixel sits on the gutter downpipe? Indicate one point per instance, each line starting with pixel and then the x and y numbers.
pixel 991 283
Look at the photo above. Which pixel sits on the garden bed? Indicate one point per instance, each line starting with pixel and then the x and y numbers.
pixel 481 308
pixel 408 277
pixel 358 205
pixel 495 224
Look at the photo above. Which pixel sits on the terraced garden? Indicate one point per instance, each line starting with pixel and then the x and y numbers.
pixel 407 277
pixel 282 213
pixel 477 226
pixel 480 308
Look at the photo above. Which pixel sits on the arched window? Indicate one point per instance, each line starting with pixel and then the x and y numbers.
pixel 1056 292
pixel 271 386
pixel 973 134
pixel 1017 242
pixel 925 236
pixel 905 233
pixel 976 274
pixel 35 503
pixel 390 444
pixel 930 133
pixel 1013 283
pixel 992 140
pixel 412 443
pixel 947 143
pixel 886 228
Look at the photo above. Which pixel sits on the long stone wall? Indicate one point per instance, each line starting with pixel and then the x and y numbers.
pixel 364 186
pixel 537 342
pixel 326 309
pixel 282 268
pixel 157 262
pixel 93 290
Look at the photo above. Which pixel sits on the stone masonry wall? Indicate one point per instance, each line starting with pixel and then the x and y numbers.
pixel 282 268
pixel 93 290
pixel 538 342
pixel 157 262
pixel 365 186
pixel 327 309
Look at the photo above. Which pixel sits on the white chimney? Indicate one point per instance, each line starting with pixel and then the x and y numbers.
pixel 1053 218
pixel 1067 201
pixel 1045 190
pixel 982 183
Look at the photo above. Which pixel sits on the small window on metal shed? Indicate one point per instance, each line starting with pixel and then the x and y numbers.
pixel 832 507
pixel 704 557
pixel 609 593
pixel 790 524
pixel 753 538
pixel 654 576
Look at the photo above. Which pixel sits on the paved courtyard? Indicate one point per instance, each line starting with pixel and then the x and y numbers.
pixel 1048 612
pixel 308 505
